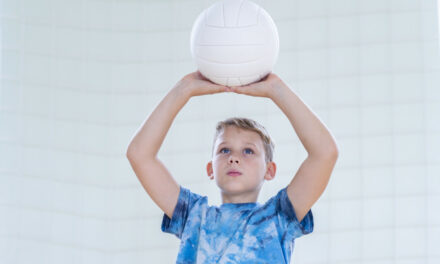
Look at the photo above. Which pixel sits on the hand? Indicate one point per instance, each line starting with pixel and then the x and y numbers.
pixel 266 87
pixel 196 84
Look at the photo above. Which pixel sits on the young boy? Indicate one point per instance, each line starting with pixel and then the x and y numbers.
pixel 240 230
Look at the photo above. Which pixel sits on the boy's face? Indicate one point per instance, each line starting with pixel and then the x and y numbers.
pixel 243 151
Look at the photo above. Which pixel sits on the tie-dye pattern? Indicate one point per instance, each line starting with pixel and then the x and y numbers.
pixel 235 233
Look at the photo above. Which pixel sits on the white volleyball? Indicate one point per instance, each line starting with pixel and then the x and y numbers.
pixel 234 42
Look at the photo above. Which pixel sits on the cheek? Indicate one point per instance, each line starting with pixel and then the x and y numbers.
pixel 220 159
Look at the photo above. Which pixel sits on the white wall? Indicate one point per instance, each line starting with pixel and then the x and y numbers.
pixel 79 77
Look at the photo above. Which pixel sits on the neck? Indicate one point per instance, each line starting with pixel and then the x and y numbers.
pixel 247 197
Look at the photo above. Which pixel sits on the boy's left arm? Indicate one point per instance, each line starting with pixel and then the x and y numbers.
pixel 314 173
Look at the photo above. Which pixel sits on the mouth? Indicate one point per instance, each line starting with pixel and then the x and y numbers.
pixel 234 173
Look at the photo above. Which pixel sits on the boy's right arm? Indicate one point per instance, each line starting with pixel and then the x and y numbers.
pixel 143 148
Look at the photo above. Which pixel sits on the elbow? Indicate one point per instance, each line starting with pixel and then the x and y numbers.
pixel 328 153
pixel 334 152
pixel 130 153
pixel 133 154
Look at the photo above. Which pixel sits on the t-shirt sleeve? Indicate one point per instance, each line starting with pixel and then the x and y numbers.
pixel 288 222
pixel 185 203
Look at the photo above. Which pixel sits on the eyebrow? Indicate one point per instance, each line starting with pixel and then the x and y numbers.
pixel 249 143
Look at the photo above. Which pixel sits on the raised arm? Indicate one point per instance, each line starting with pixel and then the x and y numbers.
pixel 144 146
pixel 314 173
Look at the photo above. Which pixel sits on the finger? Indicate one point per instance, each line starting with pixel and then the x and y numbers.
pixel 219 88
pixel 224 88
pixel 234 89
pixel 240 89
pixel 251 90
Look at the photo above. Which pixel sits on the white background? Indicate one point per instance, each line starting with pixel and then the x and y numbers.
pixel 78 77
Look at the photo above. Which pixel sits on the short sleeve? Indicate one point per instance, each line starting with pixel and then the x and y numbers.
pixel 185 203
pixel 287 218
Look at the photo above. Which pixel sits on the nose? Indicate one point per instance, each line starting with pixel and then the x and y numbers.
pixel 232 159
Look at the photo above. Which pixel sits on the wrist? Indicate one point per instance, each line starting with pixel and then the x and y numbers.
pixel 279 90
pixel 183 89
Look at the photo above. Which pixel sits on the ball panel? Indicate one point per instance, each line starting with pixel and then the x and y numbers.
pixel 248 15
pixel 270 27
pixel 217 80
pixel 232 13
pixel 231 81
pixel 213 16
pixel 247 80
pixel 195 32
pixel 208 35
pixel 234 70
pixel 231 54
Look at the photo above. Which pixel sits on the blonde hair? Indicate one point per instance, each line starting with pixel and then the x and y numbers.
pixel 247 124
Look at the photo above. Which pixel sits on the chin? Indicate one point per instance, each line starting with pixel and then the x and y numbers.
pixel 236 188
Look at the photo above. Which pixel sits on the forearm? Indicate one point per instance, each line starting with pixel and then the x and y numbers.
pixel 312 133
pixel 150 136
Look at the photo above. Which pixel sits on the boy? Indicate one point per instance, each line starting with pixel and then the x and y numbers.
pixel 240 230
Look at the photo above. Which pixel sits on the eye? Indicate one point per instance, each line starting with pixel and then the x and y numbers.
pixel 250 150
pixel 223 149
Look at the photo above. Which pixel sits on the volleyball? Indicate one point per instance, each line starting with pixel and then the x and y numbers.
pixel 234 42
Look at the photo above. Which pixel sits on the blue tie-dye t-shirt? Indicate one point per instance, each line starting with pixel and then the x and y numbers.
pixel 235 233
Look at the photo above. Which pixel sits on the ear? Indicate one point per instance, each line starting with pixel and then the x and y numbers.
pixel 271 170
pixel 209 170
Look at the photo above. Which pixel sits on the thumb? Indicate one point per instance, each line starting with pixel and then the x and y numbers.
pixel 237 89
pixel 217 88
